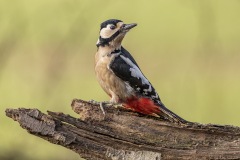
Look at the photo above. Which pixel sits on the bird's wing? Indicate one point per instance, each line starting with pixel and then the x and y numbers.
pixel 126 68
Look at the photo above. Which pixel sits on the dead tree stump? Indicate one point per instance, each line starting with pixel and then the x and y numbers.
pixel 124 135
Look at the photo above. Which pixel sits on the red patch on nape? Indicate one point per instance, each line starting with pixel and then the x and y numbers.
pixel 142 105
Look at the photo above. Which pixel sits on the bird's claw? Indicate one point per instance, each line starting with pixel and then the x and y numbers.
pixel 105 104
pixel 118 105
pixel 101 107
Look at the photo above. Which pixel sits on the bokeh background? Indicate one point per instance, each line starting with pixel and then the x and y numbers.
pixel 189 50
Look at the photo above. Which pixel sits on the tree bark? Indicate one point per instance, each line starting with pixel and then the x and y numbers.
pixel 120 134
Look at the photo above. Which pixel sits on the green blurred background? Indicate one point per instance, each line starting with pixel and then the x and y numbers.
pixel 188 49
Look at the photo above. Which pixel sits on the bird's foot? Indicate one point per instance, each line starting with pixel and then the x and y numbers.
pixel 110 104
pixel 106 104
pixel 101 107
pixel 100 104
pixel 118 105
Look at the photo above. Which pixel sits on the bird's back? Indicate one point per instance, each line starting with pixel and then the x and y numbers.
pixel 125 67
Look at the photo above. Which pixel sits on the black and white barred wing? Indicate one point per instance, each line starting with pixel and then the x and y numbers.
pixel 125 67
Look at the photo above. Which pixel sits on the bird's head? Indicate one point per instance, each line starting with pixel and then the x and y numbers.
pixel 112 32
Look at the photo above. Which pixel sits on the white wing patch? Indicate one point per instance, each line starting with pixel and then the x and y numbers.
pixel 135 72
pixel 149 89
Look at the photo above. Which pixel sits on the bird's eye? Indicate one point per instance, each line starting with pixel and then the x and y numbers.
pixel 112 27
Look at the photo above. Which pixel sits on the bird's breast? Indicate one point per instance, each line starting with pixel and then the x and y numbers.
pixel 110 83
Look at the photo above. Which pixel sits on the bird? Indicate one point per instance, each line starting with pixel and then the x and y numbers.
pixel 120 76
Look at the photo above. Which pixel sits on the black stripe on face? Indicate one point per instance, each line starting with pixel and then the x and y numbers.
pixel 105 41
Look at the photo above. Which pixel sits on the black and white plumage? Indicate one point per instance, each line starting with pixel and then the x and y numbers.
pixel 120 76
pixel 126 68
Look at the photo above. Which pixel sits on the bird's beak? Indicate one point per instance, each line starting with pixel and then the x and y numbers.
pixel 127 27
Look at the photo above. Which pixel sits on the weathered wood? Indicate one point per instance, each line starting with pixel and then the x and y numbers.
pixel 122 134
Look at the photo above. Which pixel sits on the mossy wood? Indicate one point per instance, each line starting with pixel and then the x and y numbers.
pixel 121 134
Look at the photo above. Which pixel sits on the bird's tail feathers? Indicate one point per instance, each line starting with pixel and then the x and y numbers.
pixel 167 114
pixel 148 107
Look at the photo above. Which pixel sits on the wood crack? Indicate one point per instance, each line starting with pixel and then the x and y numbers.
pixel 124 135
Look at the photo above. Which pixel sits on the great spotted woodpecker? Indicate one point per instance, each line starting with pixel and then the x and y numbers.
pixel 120 76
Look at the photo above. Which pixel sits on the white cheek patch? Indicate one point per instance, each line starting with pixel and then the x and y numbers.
pixel 107 32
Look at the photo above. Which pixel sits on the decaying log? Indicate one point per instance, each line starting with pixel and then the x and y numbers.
pixel 124 135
